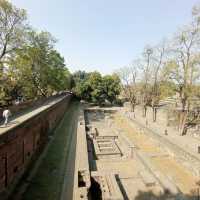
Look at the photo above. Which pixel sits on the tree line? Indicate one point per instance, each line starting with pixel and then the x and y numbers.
pixel 30 66
pixel 170 68
pixel 95 88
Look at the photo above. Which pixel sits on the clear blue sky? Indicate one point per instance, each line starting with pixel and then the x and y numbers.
pixel 104 35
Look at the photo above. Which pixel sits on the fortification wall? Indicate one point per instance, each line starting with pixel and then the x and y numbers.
pixel 22 144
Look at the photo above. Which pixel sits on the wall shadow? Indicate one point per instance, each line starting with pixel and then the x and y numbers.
pixel 95 192
pixel 166 196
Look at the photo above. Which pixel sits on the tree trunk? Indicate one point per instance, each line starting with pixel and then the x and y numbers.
pixel 145 111
pixel 154 114
pixel 132 107
pixel 182 126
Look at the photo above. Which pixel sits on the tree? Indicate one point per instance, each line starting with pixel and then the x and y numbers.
pixel 79 76
pixel 81 86
pixel 111 87
pixel 128 76
pixel 92 87
pixel 41 69
pixel 183 68
pixel 32 62
pixel 12 36
pixel 13 26
pixel 95 82
pixel 59 77
pixel 158 60
pixel 29 64
pixel 146 78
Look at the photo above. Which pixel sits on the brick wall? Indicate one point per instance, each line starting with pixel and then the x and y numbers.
pixel 19 145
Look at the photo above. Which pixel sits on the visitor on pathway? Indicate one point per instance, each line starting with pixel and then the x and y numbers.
pixel 6 115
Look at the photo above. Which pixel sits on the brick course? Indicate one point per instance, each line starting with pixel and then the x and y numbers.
pixel 19 145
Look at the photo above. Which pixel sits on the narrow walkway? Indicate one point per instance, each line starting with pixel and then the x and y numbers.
pixel 47 183
pixel 18 119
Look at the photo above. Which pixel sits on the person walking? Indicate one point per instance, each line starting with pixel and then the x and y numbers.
pixel 6 115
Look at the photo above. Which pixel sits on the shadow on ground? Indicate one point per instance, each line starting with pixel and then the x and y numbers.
pixel 166 196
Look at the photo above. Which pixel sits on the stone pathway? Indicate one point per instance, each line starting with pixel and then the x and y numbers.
pixel 17 120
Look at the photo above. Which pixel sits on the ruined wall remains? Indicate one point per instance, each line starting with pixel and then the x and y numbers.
pixel 18 146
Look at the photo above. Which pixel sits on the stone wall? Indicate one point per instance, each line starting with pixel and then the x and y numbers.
pixel 82 173
pixel 15 109
pixel 20 145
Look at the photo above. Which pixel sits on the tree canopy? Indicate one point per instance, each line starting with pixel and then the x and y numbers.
pixel 93 87
pixel 30 66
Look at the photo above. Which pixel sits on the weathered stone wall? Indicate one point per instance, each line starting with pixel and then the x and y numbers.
pixel 21 144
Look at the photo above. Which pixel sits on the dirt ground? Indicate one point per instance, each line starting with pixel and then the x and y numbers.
pixel 167 165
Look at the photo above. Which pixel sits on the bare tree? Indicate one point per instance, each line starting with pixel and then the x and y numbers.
pixel 128 76
pixel 184 67
pixel 158 61
pixel 145 68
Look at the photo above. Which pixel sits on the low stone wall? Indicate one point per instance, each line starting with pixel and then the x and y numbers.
pixel 82 173
pixel 20 145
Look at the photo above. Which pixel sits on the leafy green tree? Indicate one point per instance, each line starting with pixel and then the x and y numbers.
pixel 95 81
pixel 59 77
pixel 40 69
pixel 13 28
pixel 111 87
pixel 79 76
pixel 80 85
pixel 84 90
pixel 92 87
